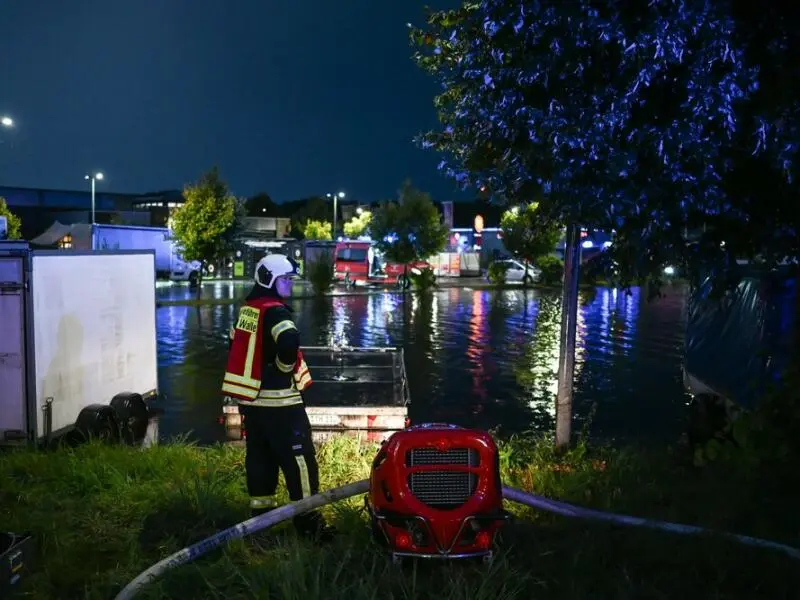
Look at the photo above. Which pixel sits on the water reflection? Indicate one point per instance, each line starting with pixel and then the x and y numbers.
pixel 477 358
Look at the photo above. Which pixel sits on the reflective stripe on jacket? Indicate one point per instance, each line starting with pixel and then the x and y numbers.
pixel 255 373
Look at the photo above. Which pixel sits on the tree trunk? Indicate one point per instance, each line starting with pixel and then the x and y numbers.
pixel 200 279
pixel 569 317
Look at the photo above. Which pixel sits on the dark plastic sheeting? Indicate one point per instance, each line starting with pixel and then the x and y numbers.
pixel 737 344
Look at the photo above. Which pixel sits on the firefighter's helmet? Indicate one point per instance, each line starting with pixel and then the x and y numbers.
pixel 271 267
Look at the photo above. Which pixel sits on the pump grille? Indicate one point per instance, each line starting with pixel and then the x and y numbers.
pixel 466 457
pixel 443 489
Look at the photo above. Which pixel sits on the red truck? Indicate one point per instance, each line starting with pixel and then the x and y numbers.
pixel 352 265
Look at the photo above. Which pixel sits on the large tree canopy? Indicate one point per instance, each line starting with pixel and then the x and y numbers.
pixel 409 229
pixel 205 226
pixel 633 117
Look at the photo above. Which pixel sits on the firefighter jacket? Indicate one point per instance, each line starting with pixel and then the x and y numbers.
pixel 265 365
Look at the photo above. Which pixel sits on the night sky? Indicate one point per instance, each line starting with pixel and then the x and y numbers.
pixel 291 98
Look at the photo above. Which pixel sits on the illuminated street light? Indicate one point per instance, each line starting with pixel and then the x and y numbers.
pixel 6 121
pixel 335 198
pixel 96 177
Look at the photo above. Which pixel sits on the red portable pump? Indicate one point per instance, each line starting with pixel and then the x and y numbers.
pixel 435 492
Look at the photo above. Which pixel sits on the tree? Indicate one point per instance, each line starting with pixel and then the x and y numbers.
pixel 260 205
pixel 314 208
pixel 358 225
pixel 527 234
pixel 14 222
pixel 627 117
pixel 317 230
pixel 205 225
pixel 409 229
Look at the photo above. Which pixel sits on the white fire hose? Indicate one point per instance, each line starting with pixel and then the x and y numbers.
pixel 288 511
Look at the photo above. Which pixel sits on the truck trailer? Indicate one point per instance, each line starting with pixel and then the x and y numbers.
pixel 77 343
pixel 169 262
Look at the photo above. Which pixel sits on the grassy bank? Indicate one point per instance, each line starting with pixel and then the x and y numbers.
pixel 103 514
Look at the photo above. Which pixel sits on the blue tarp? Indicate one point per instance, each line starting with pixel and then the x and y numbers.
pixel 738 344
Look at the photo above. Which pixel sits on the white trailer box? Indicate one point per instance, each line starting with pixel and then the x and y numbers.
pixel 169 263
pixel 77 342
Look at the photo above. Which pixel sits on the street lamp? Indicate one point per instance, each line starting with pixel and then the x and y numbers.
pixel 93 178
pixel 6 121
pixel 335 198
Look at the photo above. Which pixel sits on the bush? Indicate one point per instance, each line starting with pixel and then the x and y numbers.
pixel 497 273
pixel 422 279
pixel 552 269
pixel 320 274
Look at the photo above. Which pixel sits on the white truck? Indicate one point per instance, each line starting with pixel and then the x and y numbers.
pixel 169 263
pixel 77 343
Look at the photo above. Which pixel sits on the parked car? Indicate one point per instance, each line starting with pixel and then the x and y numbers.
pixel 516 272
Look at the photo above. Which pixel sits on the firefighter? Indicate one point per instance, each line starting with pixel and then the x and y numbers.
pixel 266 375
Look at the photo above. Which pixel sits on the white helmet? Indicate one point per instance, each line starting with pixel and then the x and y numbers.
pixel 271 267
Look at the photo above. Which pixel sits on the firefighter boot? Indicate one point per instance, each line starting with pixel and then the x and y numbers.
pixel 312 525
pixel 260 505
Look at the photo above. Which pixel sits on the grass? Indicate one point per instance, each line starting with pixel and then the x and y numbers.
pixel 102 514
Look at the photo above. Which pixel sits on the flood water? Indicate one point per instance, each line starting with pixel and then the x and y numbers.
pixel 479 358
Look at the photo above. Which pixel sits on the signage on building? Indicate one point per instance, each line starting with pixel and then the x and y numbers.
pixel 447 211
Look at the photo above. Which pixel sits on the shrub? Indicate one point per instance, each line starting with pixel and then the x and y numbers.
pixel 497 273
pixel 422 279
pixel 552 269
pixel 320 274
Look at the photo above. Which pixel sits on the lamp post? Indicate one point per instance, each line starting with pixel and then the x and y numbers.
pixel 96 177
pixel 335 198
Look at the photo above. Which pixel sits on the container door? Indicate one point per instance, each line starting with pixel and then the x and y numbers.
pixel 13 409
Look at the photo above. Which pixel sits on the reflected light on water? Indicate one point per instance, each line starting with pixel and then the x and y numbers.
pixel 337 335
pixel 476 344
pixel 475 358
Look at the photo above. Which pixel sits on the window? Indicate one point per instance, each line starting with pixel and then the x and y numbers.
pixel 352 255
pixel 65 242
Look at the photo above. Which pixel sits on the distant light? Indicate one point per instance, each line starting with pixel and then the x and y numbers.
pixel 669 270
pixel 341 194
pixel 478 223
pixel 587 244
pixel 6 121
pixel 607 244
pixel 99 176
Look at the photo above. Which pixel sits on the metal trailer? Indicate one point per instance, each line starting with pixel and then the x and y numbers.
pixel 77 343
pixel 356 391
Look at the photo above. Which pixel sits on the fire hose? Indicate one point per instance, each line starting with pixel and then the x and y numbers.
pixel 289 511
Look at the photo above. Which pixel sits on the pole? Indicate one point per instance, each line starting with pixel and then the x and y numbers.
pixel 569 318
pixel 335 201
pixel 92 199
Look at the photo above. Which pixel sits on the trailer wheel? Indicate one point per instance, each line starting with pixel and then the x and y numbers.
pixel 98 421
pixel 133 416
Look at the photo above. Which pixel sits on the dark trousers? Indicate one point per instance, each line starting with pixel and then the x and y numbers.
pixel 279 438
